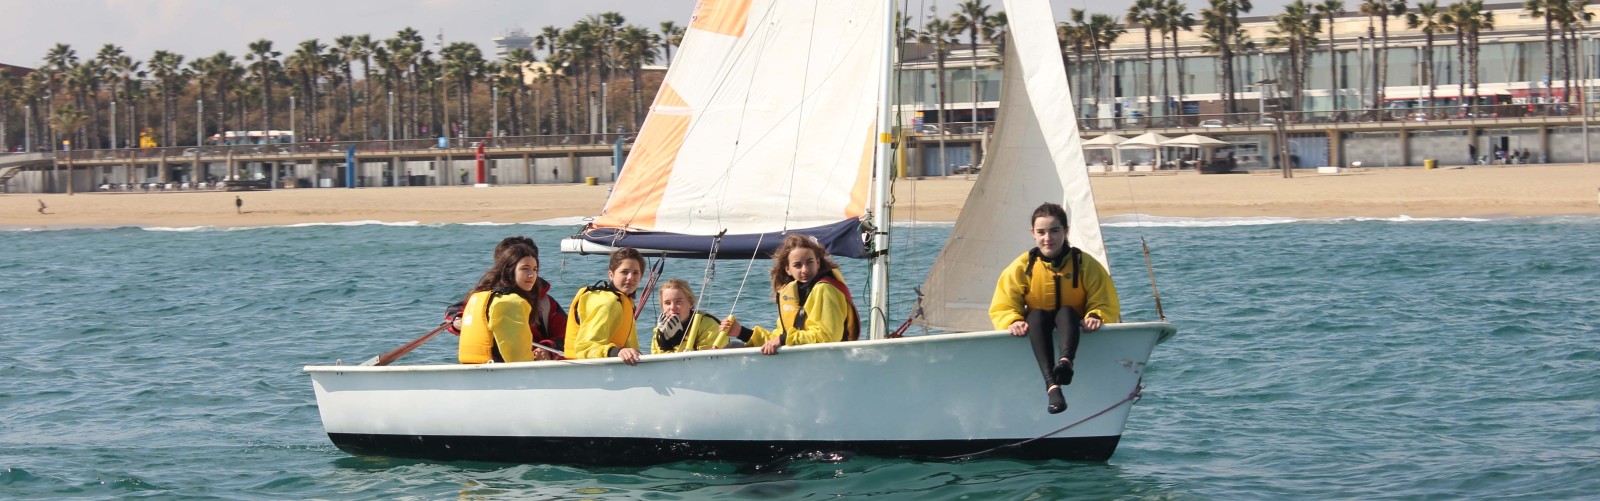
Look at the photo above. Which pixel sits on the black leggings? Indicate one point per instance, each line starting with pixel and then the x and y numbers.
pixel 1042 324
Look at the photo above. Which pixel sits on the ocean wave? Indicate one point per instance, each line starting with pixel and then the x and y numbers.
pixel 1147 221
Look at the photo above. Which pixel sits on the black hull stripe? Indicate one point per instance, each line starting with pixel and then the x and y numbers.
pixel 608 451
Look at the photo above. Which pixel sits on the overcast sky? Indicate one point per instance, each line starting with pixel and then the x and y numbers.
pixel 203 27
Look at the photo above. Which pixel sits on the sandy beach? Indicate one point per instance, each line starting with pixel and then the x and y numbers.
pixel 1529 190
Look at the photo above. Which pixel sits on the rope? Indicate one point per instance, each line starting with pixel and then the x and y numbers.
pixel 1133 396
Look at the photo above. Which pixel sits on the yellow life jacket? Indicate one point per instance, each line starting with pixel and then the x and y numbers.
pixel 480 325
pixel 595 337
pixel 1052 289
pixel 790 311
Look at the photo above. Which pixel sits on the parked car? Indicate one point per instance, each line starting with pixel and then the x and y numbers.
pixel 1213 122
pixel 926 129
pixel 1267 121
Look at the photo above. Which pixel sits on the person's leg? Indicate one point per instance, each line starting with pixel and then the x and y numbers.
pixel 1041 323
pixel 1068 331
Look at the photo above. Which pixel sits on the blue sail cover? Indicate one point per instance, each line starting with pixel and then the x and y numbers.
pixel 842 239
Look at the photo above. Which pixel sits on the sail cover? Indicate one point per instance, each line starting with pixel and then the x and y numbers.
pixel 763 126
pixel 1036 157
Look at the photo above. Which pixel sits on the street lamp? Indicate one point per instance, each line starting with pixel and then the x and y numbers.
pixel 391 118
pixel 291 121
pixel 113 125
pixel 494 105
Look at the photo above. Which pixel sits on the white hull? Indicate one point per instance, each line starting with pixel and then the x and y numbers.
pixel 931 396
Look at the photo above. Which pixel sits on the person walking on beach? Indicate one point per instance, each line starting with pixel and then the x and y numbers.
pixel 41 206
pixel 238 205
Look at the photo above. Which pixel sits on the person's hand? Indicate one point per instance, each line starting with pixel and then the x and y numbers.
pixel 542 355
pixel 730 326
pixel 1018 328
pixel 455 323
pixel 771 347
pixel 1091 324
pixel 629 356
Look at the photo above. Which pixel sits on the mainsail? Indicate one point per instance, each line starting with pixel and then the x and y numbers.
pixel 763 125
pixel 1037 157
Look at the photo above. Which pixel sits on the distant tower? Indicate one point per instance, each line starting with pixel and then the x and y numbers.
pixel 515 38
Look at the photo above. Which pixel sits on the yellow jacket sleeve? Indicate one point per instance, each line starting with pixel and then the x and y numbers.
pixel 603 317
pixel 1007 307
pixel 1100 295
pixel 707 333
pixel 508 320
pixel 825 316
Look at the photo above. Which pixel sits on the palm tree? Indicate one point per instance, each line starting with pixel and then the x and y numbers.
pixel 1428 18
pixel 940 34
pixel 105 62
pixel 83 83
pixel 1222 32
pixel 1571 15
pixel 972 16
pixel 57 61
pixel 361 50
pixel 671 36
pixel 264 66
pixel 1454 21
pixel 1383 10
pixel 516 64
pixel 1546 9
pixel 305 66
pixel 1103 31
pixel 66 121
pixel 1476 19
pixel 10 85
pixel 635 47
pixel 995 33
pixel 1146 14
pixel 170 76
pixel 1331 9
pixel 346 51
pixel 463 62
pixel 1073 41
pixel 1295 30
pixel 1175 17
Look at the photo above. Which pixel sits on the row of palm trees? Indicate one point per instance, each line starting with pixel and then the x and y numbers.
pixel 1086 38
pixel 355 88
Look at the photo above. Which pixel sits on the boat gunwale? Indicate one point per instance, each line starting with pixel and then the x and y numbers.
pixel 1167 331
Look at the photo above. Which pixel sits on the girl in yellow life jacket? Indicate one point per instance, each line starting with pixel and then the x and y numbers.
pixel 601 323
pixel 1053 288
pixel 681 327
pixel 814 305
pixel 494 322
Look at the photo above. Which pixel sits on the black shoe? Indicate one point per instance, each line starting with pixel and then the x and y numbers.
pixel 1057 402
pixel 1062 374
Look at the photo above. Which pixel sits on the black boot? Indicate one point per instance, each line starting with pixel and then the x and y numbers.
pixel 1058 403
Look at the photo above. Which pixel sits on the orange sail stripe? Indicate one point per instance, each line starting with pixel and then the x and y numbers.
pixel 721 16
pixel 637 195
pixel 858 194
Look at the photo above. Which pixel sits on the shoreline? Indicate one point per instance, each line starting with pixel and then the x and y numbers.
pixel 1469 192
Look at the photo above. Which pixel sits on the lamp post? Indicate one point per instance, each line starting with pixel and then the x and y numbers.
pixel 494 105
pixel 113 125
pixel 291 121
pixel 27 127
pixel 391 119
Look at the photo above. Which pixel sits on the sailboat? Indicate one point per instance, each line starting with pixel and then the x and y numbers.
pixel 774 119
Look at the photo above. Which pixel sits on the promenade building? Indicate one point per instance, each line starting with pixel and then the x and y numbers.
pixel 1518 104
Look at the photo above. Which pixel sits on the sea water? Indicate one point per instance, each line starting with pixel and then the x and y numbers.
pixel 1328 358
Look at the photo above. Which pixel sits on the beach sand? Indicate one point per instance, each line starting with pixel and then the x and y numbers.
pixel 1531 190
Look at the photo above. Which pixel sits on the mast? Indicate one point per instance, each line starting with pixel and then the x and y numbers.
pixel 879 287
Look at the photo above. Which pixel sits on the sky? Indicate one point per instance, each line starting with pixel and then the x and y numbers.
pixel 197 28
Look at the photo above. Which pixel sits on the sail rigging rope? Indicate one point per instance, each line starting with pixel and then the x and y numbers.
pixel 1133 396
pixel 1138 221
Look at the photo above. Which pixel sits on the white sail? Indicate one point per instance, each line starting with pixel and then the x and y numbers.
pixel 764 123
pixel 1036 157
